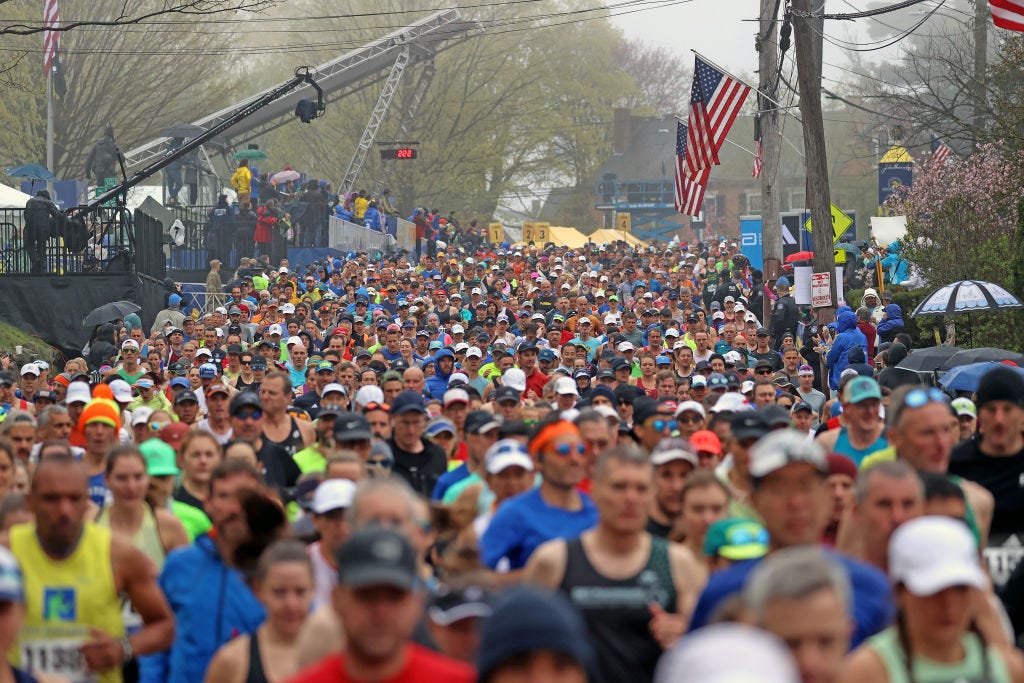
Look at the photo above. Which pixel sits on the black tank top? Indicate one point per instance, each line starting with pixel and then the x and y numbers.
pixel 616 611
pixel 293 442
pixel 256 673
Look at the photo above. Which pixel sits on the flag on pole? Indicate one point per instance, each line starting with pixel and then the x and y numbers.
pixel 51 39
pixel 1008 14
pixel 689 191
pixel 51 48
pixel 941 153
pixel 715 100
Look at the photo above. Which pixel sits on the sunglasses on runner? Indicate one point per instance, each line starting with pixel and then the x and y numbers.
pixel 920 397
pixel 565 449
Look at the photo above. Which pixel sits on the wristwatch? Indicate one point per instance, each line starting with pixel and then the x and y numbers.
pixel 126 649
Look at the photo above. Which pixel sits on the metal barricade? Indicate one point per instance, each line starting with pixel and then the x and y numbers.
pixel 345 236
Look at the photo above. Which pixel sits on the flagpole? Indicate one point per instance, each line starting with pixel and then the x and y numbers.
pixel 728 73
pixel 49 128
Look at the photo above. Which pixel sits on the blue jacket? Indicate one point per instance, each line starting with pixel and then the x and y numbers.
pixel 848 337
pixel 897 268
pixel 892 323
pixel 437 384
pixel 371 219
pixel 870 607
pixel 211 603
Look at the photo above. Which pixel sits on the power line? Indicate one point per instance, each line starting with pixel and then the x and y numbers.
pixel 860 15
pixel 629 7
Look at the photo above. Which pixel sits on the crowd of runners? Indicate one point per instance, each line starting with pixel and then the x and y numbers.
pixel 506 464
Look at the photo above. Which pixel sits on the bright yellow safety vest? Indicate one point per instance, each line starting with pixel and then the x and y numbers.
pixel 63 599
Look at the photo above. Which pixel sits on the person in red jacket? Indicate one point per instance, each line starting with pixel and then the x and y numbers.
pixel 266 222
pixel 865 325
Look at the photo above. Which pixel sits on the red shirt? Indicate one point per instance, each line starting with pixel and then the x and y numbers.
pixel 536 382
pixel 421 665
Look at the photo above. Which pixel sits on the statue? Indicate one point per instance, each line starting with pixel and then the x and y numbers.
pixel 102 161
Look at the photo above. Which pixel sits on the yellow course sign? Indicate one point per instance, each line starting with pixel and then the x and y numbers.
pixel 840 223
pixel 495 233
pixel 529 233
pixel 624 222
pixel 542 231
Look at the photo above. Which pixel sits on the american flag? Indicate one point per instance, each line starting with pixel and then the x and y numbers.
pixel 1008 14
pixel 51 39
pixel 715 100
pixel 756 171
pixel 689 191
pixel 941 153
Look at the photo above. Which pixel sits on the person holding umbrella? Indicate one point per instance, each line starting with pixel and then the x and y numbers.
pixel 242 182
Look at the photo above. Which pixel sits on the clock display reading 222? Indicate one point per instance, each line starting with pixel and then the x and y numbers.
pixel 400 153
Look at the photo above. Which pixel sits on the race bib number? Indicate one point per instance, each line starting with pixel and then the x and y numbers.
pixel 60 656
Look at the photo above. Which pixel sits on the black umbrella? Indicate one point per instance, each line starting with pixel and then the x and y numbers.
pixel 966 296
pixel 115 310
pixel 928 359
pixel 980 355
pixel 183 130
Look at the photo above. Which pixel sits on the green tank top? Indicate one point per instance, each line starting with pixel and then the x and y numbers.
pixel 971 670
pixel 146 538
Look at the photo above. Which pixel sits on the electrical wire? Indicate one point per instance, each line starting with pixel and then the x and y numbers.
pixel 886 44
pixel 860 15
pixel 628 7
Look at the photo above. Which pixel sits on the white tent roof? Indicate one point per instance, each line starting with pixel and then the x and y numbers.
pixel 11 198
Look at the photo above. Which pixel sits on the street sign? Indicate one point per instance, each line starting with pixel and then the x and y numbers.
pixel 624 222
pixel 821 290
pixel 495 233
pixel 840 223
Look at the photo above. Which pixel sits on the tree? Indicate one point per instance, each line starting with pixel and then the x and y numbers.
pixel 519 106
pixel 661 76
pixel 138 78
pixel 957 211
pixel 962 223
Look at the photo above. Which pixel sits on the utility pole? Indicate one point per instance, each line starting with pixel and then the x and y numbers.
pixel 980 66
pixel 807 29
pixel 768 126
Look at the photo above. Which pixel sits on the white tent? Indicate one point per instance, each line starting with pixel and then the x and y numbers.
pixel 11 198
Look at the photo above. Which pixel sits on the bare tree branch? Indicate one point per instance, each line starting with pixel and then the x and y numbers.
pixel 189 8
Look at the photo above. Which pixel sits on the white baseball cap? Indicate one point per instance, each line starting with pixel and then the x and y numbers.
pixel 371 393
pixel 515 378
pixel 334 388
pixel 566 386
pixel 671 449
pixel 141 415
pixel 121 390
pixel 293 340
pixel 78 392
pixel 507 453
pixel 29 369
pixel 691 406
pixel 610 319
pixel 274 329
pixel 932 553
pixel 458 329
pixel 626 346
pixel 455 396
pixel 474 351
pixel 333 494
pixel 203 351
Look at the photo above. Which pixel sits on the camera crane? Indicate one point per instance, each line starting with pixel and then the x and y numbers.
pixel 306 110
